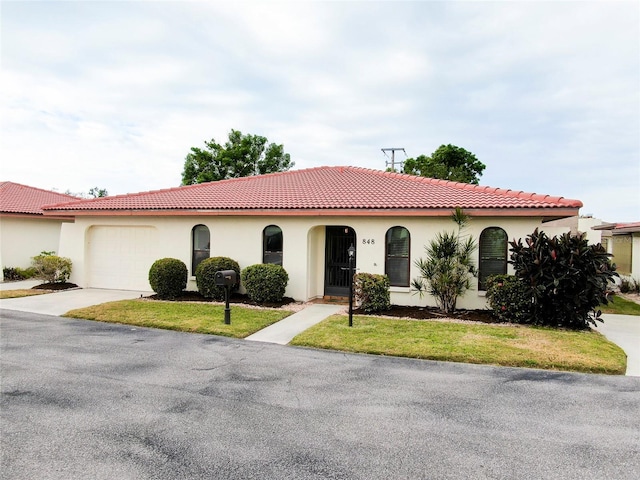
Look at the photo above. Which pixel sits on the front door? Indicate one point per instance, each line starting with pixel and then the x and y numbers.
pixel 336 276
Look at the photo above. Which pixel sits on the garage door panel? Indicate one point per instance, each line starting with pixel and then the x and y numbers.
pixel 120 257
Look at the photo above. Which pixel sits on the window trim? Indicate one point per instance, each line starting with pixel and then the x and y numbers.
pixel 194 261
pixel 274 253
pixel 482 280
pixel 387 257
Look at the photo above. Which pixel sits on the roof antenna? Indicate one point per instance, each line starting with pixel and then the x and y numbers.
pixel 393 157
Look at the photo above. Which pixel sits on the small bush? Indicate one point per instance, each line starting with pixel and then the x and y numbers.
pixel 508 299
pixel 205 276
pixel 265 282
pixel 168 277
pixel 11 273
pixel 629 285
pixel 51 268
pixel 27 272
pixel 372 292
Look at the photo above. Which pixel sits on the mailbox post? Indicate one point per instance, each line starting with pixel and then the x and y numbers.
pixel 351 252
pixel 226 279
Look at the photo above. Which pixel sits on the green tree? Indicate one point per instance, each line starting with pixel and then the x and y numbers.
pixel 96 192
pixel 448 162
pixel 447 271
pixel 241 156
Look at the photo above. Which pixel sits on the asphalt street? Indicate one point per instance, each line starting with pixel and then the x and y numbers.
pixel 84 399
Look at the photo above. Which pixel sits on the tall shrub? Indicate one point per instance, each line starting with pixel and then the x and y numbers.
pixel 168 277
pixel 447 271
pixel 205 276
pixel 51 268
pixel 265 282
pixel 372 292
pixel 566 278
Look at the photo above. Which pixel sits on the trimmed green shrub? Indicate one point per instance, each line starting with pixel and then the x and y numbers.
pixel 17 273
pixel 508 299
pixel 372 292
pixel 205 276
pixel 26 273
pixel 627 285
pixel 10 273
pixel 168 277
pixel 51 268
pixel 566 278
pixel 265 282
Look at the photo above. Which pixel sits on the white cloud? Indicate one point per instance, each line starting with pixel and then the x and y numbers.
pixel 114 94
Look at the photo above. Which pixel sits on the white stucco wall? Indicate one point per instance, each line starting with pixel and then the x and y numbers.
pixel 585 225
pixel 22 238
pixel 575 225
pixel 303 246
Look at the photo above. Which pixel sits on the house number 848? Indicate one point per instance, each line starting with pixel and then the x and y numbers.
pixel 368 241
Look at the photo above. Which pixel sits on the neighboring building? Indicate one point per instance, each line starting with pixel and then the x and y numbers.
pixel 576 225
pixel 304 220
pixel 24 230
pixel 623 241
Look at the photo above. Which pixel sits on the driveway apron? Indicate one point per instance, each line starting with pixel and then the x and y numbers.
pixel 58 303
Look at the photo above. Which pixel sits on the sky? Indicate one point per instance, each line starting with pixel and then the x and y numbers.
pixel 113 94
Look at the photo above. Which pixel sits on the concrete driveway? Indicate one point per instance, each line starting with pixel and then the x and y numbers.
pixel 58 303
pixel 85 399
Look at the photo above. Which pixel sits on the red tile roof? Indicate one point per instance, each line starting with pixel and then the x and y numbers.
pixel 631 227
pixel 16 198
pixel 323 188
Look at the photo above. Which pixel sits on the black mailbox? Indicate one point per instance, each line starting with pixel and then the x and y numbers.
pixel 226 278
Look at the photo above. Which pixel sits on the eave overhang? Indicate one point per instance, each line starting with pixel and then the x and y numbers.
pixel 546 213
pixel 65 217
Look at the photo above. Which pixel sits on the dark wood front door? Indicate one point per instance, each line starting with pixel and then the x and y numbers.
pixel 336 275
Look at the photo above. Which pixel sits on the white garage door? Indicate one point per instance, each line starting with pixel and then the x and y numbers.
pixel 120 257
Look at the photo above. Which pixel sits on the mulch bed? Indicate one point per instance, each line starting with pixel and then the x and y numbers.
pixel 418 313
pixel 235 298
pixel 55 286
pixel 427 313
pixel 398 311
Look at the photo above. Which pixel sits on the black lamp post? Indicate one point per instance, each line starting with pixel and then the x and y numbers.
pixel 351 251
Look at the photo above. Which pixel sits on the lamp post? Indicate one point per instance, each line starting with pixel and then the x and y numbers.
pixel 351 251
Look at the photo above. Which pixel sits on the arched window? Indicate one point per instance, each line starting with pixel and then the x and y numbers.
pixel 272 245
pixel 200 244
pixel 493 254
pixel 397 256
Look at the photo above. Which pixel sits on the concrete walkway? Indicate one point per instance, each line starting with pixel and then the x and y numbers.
pixel 283 331
pixel 624 331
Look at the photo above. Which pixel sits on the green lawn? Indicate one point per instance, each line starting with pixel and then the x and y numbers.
pixel 183 316
pixel 21 293
pixel 515 346
pixel 621 306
